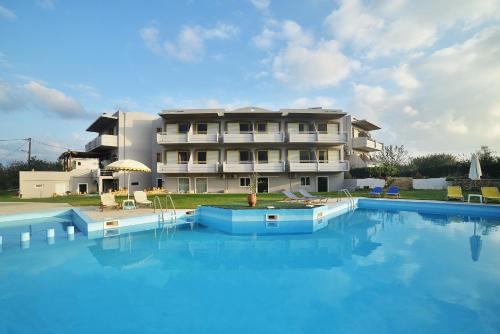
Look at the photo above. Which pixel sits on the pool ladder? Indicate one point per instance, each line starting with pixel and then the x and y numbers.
pixel 157 205
pixel 348 196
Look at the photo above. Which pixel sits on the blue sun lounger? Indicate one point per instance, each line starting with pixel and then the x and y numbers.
pixel 376 192
pixel 393 192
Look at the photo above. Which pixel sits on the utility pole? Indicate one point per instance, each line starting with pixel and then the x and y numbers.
pixel 29 151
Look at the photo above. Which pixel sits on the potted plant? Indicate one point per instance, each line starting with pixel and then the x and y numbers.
pixel 252 195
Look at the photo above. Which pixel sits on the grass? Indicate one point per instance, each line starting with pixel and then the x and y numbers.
pixel 189 201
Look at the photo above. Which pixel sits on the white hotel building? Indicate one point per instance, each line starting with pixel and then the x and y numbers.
pixel 216 150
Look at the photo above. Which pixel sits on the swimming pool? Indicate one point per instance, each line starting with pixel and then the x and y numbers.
pixel 383 271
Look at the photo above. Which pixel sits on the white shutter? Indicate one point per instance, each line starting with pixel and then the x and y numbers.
pixel 233 127
pixel 212 128
pixel 212 156
pixel 293 156
pixel 273 155
pixel 172 128
pixel 333 155
pixel 293 127
pixel 171 157
pixel 273 127
pixel 333 128
pixel 233 156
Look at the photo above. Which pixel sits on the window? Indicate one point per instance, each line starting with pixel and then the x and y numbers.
pixel 262 157
pixel 134 183
pixel 261 127
pixel 158 130
pixel 305 156
pixel 305 181
pixel 245 127
pixel 322 156
pixel 183 184
pixel 244 156
pixel 158 157
pixel 201 128
pixel 244 182
pixel 79 163
pixel 183 127
pixel 201 157
pixel 182 157
pixel 322 127
pixel 303 127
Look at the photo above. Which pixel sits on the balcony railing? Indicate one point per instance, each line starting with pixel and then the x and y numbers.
pixel 179 138
pixel 318 166
pixel 254 137
pixel 366 144
pixel 316 137
pixel 187 168
pixel 102 141
pixel 250 167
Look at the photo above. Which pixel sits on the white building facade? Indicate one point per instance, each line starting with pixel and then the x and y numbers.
pixel 217 150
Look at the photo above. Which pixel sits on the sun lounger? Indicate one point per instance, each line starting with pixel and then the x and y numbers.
pixel 307 195
pixel 490 193
pixel 108 201
pixel 376 192
pixel 455 192
pixel 141 198
pixel 294 198
pixel 393 191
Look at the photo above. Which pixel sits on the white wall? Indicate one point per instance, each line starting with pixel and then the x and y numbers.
pixel 434 183
pixel 135 142
pixel 34 184
pixel 371 183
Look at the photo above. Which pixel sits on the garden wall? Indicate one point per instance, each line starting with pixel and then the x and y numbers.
pixel 371 183
pixel 438 183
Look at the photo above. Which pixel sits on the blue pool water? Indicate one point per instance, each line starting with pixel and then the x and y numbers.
pixel 367 271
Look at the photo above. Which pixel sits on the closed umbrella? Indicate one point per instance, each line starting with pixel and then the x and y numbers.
pixel 475 168
pixel 128 165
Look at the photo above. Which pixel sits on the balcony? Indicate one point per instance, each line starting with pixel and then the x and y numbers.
pixel 254 137
pixel 251 167
pixel 187 168
pixel 184 138
pixel 317 137
pixel 319 166
pixel 102 142
pixel 366 144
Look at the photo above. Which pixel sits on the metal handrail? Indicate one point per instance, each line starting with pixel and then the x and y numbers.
pixel 347 195
pixel 168 197
pixel 156 199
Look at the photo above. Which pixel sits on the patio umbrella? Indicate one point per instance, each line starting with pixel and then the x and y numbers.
pixel 128 165
pixel 475 168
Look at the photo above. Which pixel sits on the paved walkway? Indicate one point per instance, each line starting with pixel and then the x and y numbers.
pixel 8 208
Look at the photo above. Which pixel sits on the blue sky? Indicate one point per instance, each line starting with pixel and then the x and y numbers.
pixel 427 71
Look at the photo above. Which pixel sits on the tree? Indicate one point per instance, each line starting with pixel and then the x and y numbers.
pixel 395 156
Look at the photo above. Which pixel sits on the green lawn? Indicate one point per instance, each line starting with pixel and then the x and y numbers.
pixel 188 201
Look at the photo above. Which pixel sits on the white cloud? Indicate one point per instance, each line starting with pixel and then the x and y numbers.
pixel 46 4
pixel 409 110
pixel 54 101
pixel 86 89
pixel 385 27
pixel 320 66
pixel 11 98
pixel 7 13
pixel 454 104
pixel 190 43
pixel 319 101
pixel 261 4
pixel 289 31
pixel 150 36
pixel 300 61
